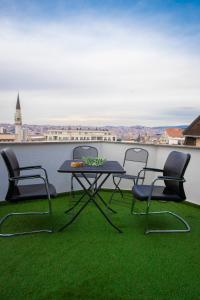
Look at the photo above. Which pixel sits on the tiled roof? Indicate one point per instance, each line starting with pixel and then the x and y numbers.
pixel 194 128
pixel 174 132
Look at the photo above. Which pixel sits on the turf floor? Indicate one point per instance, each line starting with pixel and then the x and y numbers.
pixel 90 260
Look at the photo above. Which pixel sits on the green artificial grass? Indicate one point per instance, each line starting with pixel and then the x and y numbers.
pixel 90 260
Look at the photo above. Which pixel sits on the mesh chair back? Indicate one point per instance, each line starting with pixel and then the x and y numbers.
pixel 136 155
pixel 81 151
pixel 11 162
pixel 175 166
pixel 135 159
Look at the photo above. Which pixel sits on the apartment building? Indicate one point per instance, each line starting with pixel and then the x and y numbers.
pixel 80 135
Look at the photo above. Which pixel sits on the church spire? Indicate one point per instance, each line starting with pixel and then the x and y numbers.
pixel 18 116
pixel 18 122
pixel 18 103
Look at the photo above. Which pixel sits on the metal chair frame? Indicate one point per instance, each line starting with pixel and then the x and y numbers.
pixel 84 147
pixel 135 177
pixel 48 212
pixel 147 212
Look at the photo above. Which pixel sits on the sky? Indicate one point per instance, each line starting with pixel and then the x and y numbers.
pixel 98 63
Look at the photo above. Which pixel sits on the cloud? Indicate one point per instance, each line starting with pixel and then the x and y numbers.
pixel 184 113
pixel 95 70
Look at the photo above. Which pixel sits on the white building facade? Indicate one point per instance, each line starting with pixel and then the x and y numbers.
pixel 172 136
pixel 80 135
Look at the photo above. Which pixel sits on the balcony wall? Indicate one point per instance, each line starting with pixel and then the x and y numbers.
pixel 51 155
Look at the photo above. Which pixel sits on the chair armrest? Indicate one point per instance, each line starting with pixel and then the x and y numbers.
pixel 44 179
pixel 164 178
pixel 29 168
pixel 152 169
pixel 145 170
pixel 25 177
pixel 35 167
pixel 171 178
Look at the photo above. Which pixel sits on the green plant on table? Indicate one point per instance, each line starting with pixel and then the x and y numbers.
pixel 93 161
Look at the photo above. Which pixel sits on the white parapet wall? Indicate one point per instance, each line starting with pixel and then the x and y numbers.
pixel 51 155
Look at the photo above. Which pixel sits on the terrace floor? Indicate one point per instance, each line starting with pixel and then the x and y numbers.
pixel 90 260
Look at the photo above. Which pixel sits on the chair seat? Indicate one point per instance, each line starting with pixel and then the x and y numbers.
pixel 32 191
pixel 126 176
pixel 142 192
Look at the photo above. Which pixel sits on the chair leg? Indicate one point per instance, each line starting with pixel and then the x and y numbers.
pixel 121 193
pixel 186 225
pixel 132 206
pixel 147 213
pixel 48 212
pixel 133 212
pixel 25 232
pixel 147 216
pixel 116 189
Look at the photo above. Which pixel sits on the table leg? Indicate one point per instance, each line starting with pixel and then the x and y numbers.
pixel 71 208
pixel 91 184
pixel 75 216
pixel 106 217
pixel 96 192
pixel 91 193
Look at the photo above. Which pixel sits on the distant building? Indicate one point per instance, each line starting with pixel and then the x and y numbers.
pixel 172 136
pixel 2 130
pixel 156 138
pixel 7 137
pixel 192 133
pixel 80 135
pixel 18 122
pixel 36 138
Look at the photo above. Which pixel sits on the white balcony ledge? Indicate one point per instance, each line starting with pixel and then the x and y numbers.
pixel 52 154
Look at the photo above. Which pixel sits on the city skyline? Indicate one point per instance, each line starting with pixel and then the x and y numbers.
pixel 98 64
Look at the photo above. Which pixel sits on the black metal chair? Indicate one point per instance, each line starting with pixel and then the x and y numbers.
pixel 78 153
pixel 135 159
pixel 17 192
pixel 172 190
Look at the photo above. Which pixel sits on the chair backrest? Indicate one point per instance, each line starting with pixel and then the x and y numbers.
pixel 81 151
pixel 175 166
pixel 134 160
pixel 12 165
pixel 11 162
pixel 136 154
